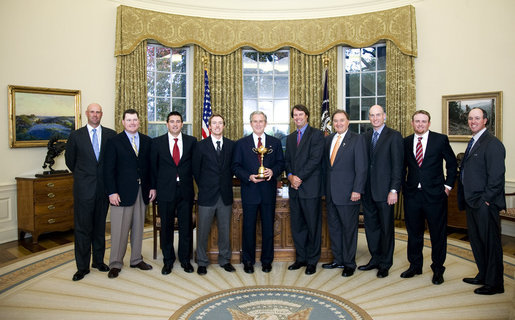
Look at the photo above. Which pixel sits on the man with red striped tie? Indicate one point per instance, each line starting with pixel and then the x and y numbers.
pixel 425 191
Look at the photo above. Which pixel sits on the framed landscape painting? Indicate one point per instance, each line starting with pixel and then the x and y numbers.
pixel 455 109
pixel 38 114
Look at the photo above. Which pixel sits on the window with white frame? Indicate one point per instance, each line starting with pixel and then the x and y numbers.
pixel 364 83
pixel 168 87
pixel 266 88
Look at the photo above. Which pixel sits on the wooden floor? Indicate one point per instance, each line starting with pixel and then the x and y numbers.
pixel 13 250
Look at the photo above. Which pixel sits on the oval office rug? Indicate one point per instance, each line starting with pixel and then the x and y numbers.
pixel 270 302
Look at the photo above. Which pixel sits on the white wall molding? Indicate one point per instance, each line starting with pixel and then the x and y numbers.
pixel 8 213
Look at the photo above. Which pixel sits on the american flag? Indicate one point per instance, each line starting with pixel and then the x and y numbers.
pixel 324 122
pixel 206 112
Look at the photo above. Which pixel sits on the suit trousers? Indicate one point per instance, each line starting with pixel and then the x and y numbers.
pixel 484 231
pixel 343 230
pixel 416 211
pixel 223 221
pixel 89 230
pixel 267 212
pixel 124 219
pixel 379 230
pixel 306 229
pixel 181 207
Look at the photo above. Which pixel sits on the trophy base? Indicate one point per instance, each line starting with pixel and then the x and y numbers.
pixel 261 177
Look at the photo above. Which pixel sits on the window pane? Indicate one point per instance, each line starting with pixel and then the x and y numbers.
pixel 282 65
pixel 352 85
pixel 163 64
pixel 151 109
pixel 352 60
pixel 179 61
pixel 381 83
pixel 267 106
pixel 250 87
pixel 381 58
pixel 280 132
pixel 162 108
pixel 151 61
pixel 366 103
pixel 281 111
pixel 249 62
pixel 368 84
pixel 247 129
pixel 179 85
pixel 266 87
pixel 368 59
pixel 163 84
pixel 281 89
pixel 352 108
pixel 249 106
pixel 179 105
pixel 156 129
pixel 382 102
pixel 266 63
pixel 151 82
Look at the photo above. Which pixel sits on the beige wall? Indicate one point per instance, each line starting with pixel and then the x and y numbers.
pixel 465 46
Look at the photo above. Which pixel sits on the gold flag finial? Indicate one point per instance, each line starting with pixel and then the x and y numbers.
pixel 326 61
pixel 205 60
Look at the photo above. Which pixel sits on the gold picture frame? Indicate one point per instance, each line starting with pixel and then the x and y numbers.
pixel 455 110
pixel 38 114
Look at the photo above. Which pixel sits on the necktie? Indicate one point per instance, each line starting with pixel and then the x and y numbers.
pixel 259 145
pixel 94 140
pixel 335 149
pixel 218 151
pixel 298 137
pixel 374 140
pixel 469 146
pixel 420 154
pixel 176 154
pixel 133 142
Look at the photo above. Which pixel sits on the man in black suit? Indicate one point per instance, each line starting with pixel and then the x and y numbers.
pixel 128 182
pixel 425 190
pixel 172 156
pixel 385 161
pixel 258 193
pixel 481 194
pixel 304 151
pixel 213 174
pixel 345 168
pixel 85 158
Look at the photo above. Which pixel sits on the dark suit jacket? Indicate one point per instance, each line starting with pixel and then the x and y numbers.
pixel 430 174
pixel 123 168
pixel 165 170
pixel 385 163
pixel 80 159
pixel 305 161
pixel 214 178
pixel 483 174
pixel 245 162
pixel 349 171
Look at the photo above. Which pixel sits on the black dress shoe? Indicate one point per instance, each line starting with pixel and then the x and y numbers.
pixel 142 266
pixel 167 269
pixel 228 267
pixel 79 275
pixel 310 269
pixel 382 273
pixel 297 265
pixel 473 281
pixel 113 273
pixel 187 267
pixel 266 267
pixel 347 272
pixel 100 266
pixel 410 273
pixel 368 266
pixel 488 290
pixel 248 267
pixel 202 270
pixel 332 265
pixel 437 278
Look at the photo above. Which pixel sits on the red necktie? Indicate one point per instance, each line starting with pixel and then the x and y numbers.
pixel 176 155
pixel 420 153
pixel 259 145
pixel 298 137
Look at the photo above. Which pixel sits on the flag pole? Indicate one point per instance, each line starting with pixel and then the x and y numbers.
pixel 206 109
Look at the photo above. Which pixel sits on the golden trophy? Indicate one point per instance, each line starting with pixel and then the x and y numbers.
pixel 261 151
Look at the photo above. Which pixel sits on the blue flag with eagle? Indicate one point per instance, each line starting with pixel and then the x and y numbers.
pixel 324 122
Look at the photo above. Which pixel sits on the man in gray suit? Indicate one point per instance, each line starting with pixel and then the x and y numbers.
pixel 85 158
pixel 345 170
pixel 303 157
pixel 385 162
pixel 481 194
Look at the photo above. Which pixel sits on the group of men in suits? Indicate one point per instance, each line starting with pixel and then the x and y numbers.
pixel 130 169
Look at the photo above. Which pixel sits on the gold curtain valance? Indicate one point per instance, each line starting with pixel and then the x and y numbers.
pixel 223 36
